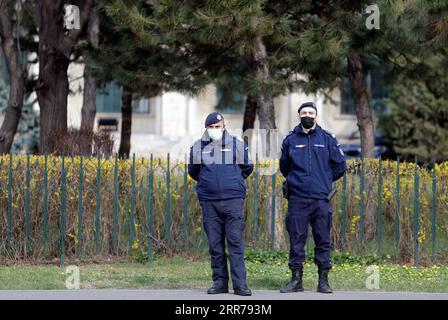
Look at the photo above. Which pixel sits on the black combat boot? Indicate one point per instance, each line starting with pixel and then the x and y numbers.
pixel 295 285
pixel 218 288
pixel 323 286
pixel 243 291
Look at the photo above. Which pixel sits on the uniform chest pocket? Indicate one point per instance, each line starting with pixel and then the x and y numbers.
pixel 321 151
pixel 299 154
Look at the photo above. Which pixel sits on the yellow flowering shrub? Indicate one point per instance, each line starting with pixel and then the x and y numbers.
pixel 118 202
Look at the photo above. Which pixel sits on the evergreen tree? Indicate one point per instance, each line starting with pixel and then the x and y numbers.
pixel 417 123
pixel 275 46
pixel 214 40
pixel 336 44
pixel 141 70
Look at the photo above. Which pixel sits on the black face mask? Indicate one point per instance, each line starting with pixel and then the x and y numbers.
pixel 307 122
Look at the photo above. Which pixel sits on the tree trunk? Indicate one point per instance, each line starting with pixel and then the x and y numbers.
pixel 265 101
pixel 126 124
pixel 17 75
pixel 52 88
pixel 88 110
pixel 362 105
pixel 366 128
pixel 249 116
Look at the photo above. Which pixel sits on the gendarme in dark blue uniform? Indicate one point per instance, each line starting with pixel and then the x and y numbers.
pixel 310 162
pixel 220 167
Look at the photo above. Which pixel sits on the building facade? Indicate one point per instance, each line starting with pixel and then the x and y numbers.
pixel 171 121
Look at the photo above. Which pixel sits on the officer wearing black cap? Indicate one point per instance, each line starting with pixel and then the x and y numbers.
pixel 220 163
pixel 311 159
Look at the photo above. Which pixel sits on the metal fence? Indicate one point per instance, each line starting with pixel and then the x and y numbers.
pixel 57 208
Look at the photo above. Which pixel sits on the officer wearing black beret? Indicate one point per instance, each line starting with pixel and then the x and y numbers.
pixel 220 163
pixel 311 159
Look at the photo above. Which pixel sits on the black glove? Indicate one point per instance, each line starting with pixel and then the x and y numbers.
pixel 285 189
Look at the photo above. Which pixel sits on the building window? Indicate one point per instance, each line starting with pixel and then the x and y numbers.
pixel 378 84
pixel 379 88
pixel 347 102
pixel 108 99
pixel 141 105
pixel 229 100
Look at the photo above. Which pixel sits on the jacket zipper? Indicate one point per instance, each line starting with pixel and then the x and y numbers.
pixel 217 178
pixel 309 154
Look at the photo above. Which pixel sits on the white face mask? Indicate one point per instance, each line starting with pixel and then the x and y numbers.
pixel 215 134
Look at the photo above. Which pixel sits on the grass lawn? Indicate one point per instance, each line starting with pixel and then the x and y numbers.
pixel 183 273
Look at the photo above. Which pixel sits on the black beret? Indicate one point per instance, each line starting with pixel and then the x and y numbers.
pixel 212 118
pixel 307 104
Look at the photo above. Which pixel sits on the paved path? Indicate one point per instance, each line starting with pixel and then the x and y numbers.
pixel 119 294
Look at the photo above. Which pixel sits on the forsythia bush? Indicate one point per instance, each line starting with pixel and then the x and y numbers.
pixel 107 207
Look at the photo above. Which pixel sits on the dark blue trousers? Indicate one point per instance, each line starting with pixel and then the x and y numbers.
pixel 224 219
pixel 318 213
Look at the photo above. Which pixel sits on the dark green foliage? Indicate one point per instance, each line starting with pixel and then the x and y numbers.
pixel 364 259
pixel 267 256
pixel 273 257
pixel 211 41
pixel 417 123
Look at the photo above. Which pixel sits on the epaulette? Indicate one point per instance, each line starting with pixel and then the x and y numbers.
pixel 198 141
pixel 290 132
pixel 240 140
pixel 329 133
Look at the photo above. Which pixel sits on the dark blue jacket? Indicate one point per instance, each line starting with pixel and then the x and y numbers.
pixel 311 161
pixel 220 167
